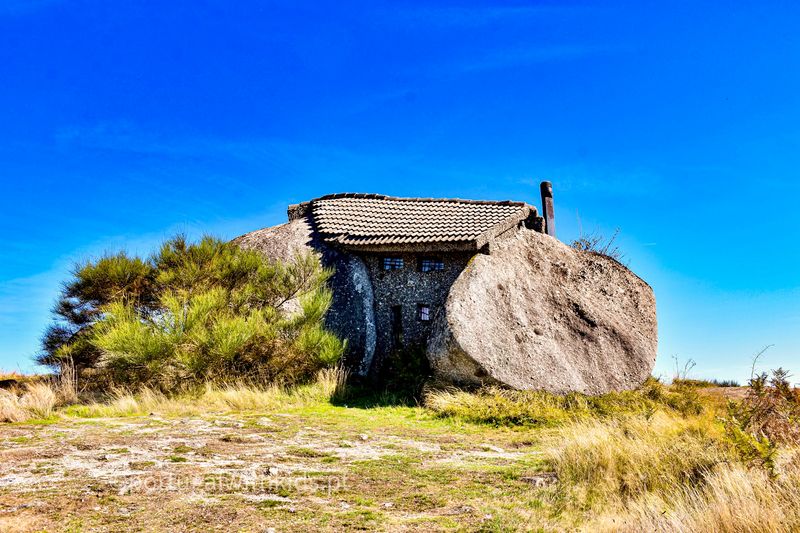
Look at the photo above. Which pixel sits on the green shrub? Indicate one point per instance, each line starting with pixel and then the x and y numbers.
pixel 768 415
pixel 751 448
pixel 194 312
pixel 405 372
pixel 771 408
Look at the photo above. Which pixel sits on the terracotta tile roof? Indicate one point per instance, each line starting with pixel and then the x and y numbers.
pixel 374 220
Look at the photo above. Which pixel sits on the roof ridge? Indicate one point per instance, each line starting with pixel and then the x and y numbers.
pixel 373 196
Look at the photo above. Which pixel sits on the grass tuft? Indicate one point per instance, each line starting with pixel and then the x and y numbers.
pixel 328 386
pixel 36 401
pixel 503 407
pixel 610 462
pixel 732 498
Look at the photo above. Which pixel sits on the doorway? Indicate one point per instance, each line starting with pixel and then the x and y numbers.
pixel 397 326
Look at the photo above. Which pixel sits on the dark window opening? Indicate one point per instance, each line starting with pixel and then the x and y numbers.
pixel 392 263
pixel 430 264
pixel 397 326
pixel 424 312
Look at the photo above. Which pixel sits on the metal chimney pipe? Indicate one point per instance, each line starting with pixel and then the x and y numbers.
pixel 547 208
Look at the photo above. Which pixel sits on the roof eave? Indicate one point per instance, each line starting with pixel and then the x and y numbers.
pixel 415 247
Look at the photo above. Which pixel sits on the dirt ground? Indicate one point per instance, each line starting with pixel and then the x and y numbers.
pixel 329 468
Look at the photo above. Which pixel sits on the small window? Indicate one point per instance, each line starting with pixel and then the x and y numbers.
pixel 392 263
pixel 424 312
pixel 430 264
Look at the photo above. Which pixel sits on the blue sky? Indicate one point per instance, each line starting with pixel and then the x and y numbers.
pixel 124 122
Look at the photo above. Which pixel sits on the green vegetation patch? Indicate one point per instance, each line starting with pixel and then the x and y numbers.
pixel 503 407
pixel 192 313
pixel 300 451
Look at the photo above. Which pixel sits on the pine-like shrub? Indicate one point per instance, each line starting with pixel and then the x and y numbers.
pixel 193 312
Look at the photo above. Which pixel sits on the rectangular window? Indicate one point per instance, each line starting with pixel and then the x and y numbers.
pixel 392 263
pixel 430 264
pixel 424 312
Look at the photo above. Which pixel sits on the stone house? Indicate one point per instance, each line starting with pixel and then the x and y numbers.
pixel 396 261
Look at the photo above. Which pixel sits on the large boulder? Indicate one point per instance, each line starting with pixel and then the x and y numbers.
pixel 537 314
pixel 351 314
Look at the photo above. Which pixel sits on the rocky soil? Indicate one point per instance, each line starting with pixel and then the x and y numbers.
pixel 343 468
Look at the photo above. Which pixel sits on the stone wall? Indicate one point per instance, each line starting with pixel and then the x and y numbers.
pixel 407 288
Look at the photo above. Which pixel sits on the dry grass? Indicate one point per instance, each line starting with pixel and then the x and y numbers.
pixel 4 374
pixel 37 396
pixel 216 398
pixel 17 377
pixel 611 462
pixel 668 472
pixel 10 408
pixel 658 459
pixel 66 383
pixel 732 498
pixel 40 399
pixel 37 400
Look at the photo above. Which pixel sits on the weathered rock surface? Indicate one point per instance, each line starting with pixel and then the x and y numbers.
pixel 351 315
pixel 281 242
pixel 537 314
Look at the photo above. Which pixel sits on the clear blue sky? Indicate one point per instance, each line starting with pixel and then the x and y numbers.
pixel 122 123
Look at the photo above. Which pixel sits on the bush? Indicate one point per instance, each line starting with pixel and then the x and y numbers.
pixel 770 409
pixel 193 312
pixel 767 416
pixel 597 243
pixel 405 372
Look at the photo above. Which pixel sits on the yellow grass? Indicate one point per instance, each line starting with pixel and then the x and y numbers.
pixel 17 376
pixel 669 473
pixel 216 398
pixel 649 460
pixel 611 462
pixel 38 400
pixel 733 498
pixel 497 406
pixel 4 374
